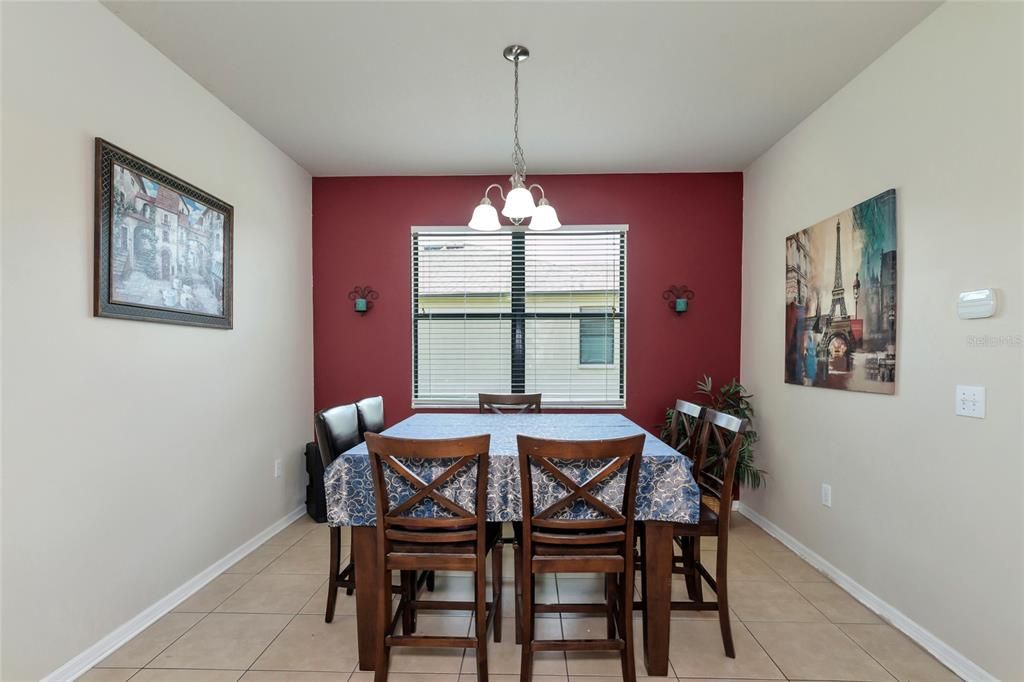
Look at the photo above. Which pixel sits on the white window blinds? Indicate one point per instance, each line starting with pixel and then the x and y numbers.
pixel 519 312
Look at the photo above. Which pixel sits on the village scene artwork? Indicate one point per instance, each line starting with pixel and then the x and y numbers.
pixel 166 249
pixel 841 300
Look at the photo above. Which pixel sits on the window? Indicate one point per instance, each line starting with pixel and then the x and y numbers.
pixel 519 312
pixel 597 339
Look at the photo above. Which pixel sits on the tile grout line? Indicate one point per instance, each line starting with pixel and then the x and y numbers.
pixel 464 654
pixel 188 630
pixel 206 613
pixel 813 605
pixel 837 626
pixel 741 622
pixel 828 621
pixel 761 646
pixel 290 620
pixel 221 602
pixel 209 613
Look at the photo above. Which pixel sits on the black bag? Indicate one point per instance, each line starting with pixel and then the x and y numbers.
pixel 316 500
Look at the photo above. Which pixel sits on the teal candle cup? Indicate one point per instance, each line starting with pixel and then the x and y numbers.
pixel 360 305
pixel 681 305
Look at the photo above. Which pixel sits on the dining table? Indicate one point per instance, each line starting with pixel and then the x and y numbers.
pixel 666 494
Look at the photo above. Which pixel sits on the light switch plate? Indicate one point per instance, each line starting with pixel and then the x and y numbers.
pixel 970 401
pixel 826 494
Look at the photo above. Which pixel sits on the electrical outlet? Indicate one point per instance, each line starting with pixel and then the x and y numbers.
pixel 826 494
pixel 970 401
pixel 277 468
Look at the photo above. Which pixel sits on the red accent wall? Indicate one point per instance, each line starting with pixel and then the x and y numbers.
pixel 683 229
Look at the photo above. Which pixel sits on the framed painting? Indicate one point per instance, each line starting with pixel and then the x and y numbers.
pixel 841 302
pixel 163 247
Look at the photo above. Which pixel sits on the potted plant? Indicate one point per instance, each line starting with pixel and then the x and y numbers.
pixel 731 398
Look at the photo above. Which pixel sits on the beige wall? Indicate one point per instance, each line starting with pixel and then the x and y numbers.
pixel 135 454
pixel 927 506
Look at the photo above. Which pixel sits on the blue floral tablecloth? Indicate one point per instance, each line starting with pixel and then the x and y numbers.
pixel 666 489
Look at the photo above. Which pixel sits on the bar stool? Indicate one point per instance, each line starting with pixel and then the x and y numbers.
pixel 457 540
pixel 556 540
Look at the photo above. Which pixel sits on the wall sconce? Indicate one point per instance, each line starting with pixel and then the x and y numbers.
pixel 364 298
pixel 678 298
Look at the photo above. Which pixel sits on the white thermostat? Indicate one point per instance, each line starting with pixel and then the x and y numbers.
pixel 976 304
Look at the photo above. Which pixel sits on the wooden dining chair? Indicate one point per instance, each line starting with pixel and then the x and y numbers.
pixel 714 469
pixel 337 430
pixel 579 500
pixel 455 537
pixel 687 420
pixel 514 403
pixel 685 430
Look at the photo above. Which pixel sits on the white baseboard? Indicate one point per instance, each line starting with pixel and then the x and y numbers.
pixel 950 657
pixel 97 652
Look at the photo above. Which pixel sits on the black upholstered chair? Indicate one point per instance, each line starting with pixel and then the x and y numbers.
pixel 337 430
pixel 371 415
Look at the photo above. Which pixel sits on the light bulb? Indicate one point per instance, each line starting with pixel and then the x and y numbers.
pixel 544 217
pixel 485 217
pixel 518 204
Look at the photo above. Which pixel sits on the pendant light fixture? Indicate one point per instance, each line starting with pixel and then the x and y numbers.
pixel 519 204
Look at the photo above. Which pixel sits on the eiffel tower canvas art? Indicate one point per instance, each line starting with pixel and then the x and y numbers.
pixel 841 302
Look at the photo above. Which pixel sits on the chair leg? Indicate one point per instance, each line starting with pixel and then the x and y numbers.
pixel 430 581
pixel 332 582
pixel 496 558
pixel 352 564
pixel 692 577
pixel 722 591
pixel 383 622
pixel 643 587
pixel 526 626
pixel 480 593
pixel 518 572
pixel 626 627
pixel 698 586
pixel 611 599
pixel 409 596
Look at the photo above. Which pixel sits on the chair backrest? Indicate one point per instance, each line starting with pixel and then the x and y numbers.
pixel 685 426
pixel 595 479
pixel 714 468
pixel 337 430
pixel 371 415
pixel 457 491
pixel 516 403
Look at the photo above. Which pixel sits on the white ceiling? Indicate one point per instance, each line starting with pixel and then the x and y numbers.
pixel 421 88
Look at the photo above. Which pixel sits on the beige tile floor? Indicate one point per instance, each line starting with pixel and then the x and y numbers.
pixel 262 621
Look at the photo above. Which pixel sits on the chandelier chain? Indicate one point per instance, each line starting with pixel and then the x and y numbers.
pixel 518 158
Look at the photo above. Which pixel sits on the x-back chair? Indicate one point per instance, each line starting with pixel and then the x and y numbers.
pixel 512 403
pixel 553 540
pixel 713 443
pixel 456 537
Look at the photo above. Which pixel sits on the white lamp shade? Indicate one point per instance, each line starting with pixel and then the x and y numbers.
pixel 485 218
pixel 544 217
pixel 518 204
